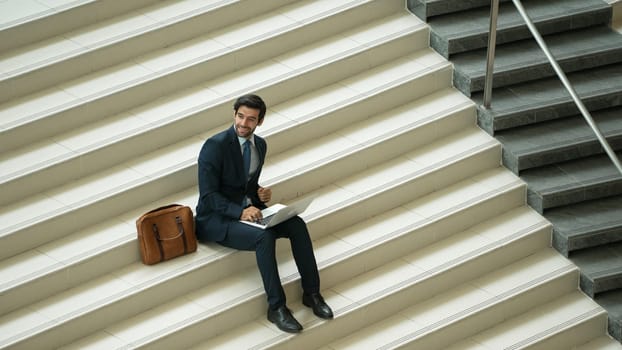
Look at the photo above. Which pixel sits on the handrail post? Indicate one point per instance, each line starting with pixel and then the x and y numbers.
pixel 568 85
pixel 490 58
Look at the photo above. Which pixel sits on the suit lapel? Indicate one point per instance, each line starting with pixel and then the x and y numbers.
pixel 261 149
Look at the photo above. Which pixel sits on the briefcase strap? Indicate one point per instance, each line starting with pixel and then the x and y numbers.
pixel 182 233
pixel 180 227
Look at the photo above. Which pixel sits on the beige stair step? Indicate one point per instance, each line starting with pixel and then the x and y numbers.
pixel 91 47
pixel 385 291
pixel 121 303
pixel 81 256
pixel 32 20
pixel 563 323
pixel 602 342
pixel 226 304
pixel 444 319
pixel 423 240
pixel 143 180
pixel 415 173
pixel 35 265
pixel 369 142
pixel 83 151
pixel 144 79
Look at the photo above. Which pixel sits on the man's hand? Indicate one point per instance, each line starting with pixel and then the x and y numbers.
pixel 251 214
pixel 265 194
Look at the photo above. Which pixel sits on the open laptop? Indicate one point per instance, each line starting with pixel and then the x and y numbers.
pixel 277 213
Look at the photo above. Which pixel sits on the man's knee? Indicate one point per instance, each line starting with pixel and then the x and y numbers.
pixel 296 225
pixel 266 239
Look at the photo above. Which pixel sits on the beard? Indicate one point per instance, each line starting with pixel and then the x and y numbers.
pixel 242 131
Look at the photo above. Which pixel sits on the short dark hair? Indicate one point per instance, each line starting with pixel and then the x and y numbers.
pixel 251 101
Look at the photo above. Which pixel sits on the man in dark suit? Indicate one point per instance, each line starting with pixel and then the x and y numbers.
pixel 230 164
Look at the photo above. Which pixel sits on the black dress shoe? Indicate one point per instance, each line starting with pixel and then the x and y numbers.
pixel 284 319
pixel 318 305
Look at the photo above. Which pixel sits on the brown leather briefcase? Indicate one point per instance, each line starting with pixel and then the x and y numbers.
pixel 165 233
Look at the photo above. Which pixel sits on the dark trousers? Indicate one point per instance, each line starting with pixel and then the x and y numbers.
pixel 245 237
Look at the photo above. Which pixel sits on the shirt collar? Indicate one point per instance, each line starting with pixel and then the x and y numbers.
pixel 242 140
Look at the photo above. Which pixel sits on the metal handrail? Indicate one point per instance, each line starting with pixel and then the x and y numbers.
pixel 490 57
pixel 494 13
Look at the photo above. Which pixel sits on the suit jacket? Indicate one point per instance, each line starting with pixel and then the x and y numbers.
pixel 223 185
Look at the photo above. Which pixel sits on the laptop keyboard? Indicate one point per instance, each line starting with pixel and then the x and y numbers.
pixel 265 221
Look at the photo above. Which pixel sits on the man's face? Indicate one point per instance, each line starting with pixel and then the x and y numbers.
pixel 246 121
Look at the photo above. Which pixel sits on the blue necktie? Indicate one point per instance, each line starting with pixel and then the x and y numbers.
pixel 246 156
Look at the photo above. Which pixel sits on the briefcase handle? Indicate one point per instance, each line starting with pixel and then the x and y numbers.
pixel 180 228
pixel 162 207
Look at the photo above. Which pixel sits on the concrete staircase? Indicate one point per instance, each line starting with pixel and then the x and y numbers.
pixel 545 139
pixel 422 237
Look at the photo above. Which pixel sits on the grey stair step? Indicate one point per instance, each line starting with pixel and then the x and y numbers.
pixel 572 182
pixel 586 224
pixel 601 268
pixel 425 9
pixel 559 140
pixel 547 99
pixel 523 60
pixel 612 302
pixel 468 30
